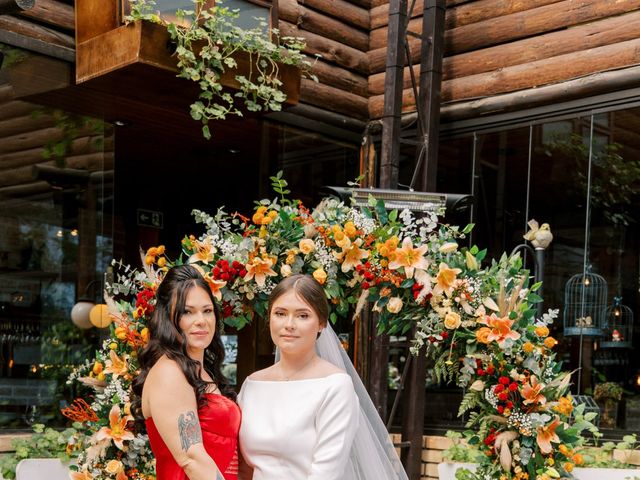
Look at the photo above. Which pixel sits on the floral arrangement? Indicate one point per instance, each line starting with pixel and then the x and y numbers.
pixel 478 324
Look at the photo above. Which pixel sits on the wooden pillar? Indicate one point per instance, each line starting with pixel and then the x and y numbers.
pixel 429 114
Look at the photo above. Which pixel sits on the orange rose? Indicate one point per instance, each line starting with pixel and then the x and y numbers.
pixel 542 331
pixel 482 334
pixel 528 347
pixel 550 342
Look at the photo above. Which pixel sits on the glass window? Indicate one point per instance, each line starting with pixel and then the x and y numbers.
pixel 55 234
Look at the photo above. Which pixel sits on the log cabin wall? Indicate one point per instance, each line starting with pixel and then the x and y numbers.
pixel 512 55
pixel 50 23
pixel 338 31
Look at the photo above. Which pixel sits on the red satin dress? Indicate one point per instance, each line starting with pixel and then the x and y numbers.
pixel 220 423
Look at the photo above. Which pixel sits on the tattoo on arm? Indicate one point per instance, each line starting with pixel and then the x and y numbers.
pixel 189 429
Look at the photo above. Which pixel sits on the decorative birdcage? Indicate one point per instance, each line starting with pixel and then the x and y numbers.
pixel 618 326
pixel 585 302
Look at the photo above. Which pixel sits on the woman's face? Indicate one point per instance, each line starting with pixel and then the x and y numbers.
pixel 198 321
pixel 294 324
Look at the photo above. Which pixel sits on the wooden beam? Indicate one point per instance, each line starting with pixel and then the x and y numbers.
pixel 33 30
pixel 53 13
pixel 340 9
pixel 320 24
pixel 535 74
pixel 508 28
pixel 583 37
pixel 333 99
pixel 330 50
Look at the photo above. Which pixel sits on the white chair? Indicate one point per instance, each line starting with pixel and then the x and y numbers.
pixel 41 469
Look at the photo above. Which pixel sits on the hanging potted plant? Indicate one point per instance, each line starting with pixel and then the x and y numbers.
pixel 234 69
pixel 608 395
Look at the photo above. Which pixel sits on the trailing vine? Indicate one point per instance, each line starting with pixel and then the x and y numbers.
pixel 207 40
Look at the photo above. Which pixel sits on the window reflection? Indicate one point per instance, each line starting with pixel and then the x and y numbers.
pixel 55 216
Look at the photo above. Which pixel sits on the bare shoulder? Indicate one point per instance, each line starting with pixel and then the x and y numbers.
pixel 324 368
pixel 265 374
pixel 166 373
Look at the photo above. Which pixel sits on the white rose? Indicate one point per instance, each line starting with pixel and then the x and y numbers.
pixel 285 270
pixel 394 305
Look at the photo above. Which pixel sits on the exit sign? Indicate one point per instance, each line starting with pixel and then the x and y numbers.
pixel 150 218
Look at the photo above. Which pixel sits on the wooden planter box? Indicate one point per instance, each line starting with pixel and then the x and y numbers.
pixel 138 58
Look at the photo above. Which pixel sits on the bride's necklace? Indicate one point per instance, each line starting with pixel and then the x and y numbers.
pixel 290 376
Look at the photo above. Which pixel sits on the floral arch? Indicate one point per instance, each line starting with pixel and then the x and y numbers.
pixel 476 322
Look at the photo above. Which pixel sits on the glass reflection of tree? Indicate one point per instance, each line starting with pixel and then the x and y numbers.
pixel 614 179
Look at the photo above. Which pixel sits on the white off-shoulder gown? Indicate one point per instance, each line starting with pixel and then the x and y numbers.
pixel 300 429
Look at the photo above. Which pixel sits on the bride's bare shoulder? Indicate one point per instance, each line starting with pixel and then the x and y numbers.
pixel 265 374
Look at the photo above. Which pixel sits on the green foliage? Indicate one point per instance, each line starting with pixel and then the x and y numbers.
pixel 461 449
pixel 44 443
pixel 207 43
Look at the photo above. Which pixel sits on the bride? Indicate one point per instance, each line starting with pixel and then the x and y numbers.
pixel 308 416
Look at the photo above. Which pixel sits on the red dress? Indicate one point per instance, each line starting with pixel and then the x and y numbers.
pixel 220 422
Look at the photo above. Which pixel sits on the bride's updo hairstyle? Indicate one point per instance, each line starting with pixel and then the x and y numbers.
pixel 308 289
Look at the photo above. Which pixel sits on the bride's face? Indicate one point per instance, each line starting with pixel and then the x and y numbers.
pixel 294 324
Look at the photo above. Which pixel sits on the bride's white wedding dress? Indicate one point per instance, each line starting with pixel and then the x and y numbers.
pixel 316 429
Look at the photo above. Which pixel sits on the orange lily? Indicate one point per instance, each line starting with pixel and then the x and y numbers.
pixel 409 257
pixel 445 279
pixel 84 475
pixel 352 255
pixel 116 366
pixel 500 329
pixel 546 435
pixel 117 430
pixel 215 285
pixel 531 392
pixel 259 269
pixel 203 252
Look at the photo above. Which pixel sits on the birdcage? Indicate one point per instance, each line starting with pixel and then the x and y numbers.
pixel 618 326
pixel 585 302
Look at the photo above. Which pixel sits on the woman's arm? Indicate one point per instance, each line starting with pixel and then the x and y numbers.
pixel 245 472
pixel 336 425
pixel 172 404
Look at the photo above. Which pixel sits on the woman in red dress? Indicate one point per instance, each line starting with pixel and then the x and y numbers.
pixel 188 408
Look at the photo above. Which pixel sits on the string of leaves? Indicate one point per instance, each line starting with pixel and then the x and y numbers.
pixel 207 43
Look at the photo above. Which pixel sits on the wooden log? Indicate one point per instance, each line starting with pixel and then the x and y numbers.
pixel 25 123
pixel 340 78
pixel 466 14
pixel 15 108
pixel 535 74
pixel 333 99
pixel 320 24
pixel 93 162
pixel 6 93
pixel 508 28
pixel 25 190
pixel 330 50
pixel 33 30
pixel 52 12
pixel 32 156
pixel 366 4
pixel 598 83
pixel 341 10
pixel 25 141
pixel 543 72
pixel 590 35
pixel 344 122
pixel 15 6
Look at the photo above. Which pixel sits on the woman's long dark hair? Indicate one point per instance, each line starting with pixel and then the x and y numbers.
pixel 166 338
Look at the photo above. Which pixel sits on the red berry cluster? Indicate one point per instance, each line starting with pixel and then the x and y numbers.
pixel 228 273
pixel 143 298
pixel 369 275
pixel 227 309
